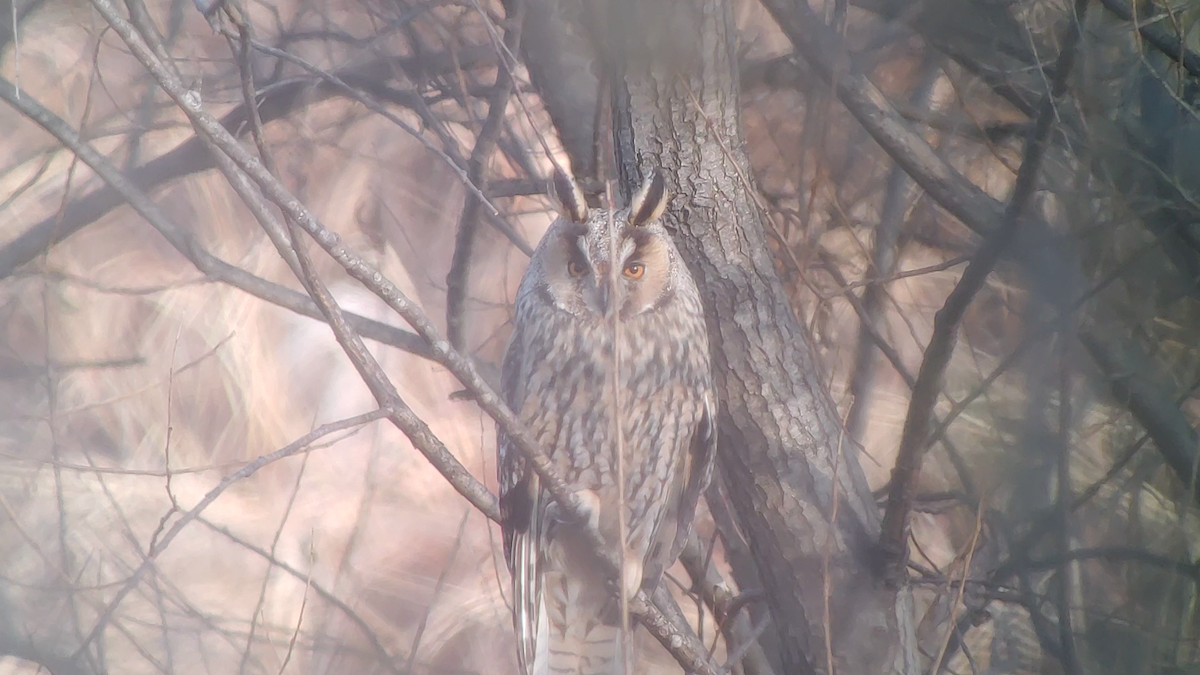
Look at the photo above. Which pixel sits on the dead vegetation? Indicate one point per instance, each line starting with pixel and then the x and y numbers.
pixel 135 387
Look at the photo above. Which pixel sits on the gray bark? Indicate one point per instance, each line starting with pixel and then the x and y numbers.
pixel 560 58
pixel 804 504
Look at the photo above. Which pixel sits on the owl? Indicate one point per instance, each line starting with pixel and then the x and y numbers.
pixel 558 376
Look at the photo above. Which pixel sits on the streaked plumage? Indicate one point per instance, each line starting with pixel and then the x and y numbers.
pixel 557 376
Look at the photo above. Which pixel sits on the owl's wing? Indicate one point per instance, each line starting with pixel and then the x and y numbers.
pixel 696 472
pixel 691 476
pixel 511 469
pixel 518 503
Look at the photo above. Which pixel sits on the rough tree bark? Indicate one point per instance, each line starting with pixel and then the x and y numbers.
pixel 780 434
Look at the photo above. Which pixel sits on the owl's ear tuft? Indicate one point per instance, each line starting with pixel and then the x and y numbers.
pixel 571 203
pixel 649 201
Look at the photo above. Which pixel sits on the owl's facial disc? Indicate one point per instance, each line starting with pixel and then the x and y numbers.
pixel 578 269
pixel 641 278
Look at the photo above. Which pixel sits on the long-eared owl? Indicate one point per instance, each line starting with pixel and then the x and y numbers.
pixel 558 376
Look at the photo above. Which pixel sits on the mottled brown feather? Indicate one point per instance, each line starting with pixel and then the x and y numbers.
pixel 557 376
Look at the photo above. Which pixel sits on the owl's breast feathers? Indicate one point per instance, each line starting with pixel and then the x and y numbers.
pixel 567 402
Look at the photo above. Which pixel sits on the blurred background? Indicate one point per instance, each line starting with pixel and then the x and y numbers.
pixel 132 383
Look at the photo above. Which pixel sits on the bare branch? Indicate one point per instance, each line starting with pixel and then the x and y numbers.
pixel 386 659
pixel 741 639
pixel 1116 554
pixel 275 101
pixel 1052 267
pixel 297 446
pixel 11 17
pixel 1114 191
pixel 914 441
pixel 1159 37
pixel 126 190
pixel 669 630
pixel 1068 572
pixel 438 586
pixel 1131 380
pixel 292 250
pixel 868 330
pixel 883 265
pixel 458 281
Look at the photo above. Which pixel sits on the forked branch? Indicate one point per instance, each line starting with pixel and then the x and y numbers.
pixel 914 439
pixel 671 631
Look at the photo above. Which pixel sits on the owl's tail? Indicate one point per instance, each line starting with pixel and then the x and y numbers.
pixel 582 631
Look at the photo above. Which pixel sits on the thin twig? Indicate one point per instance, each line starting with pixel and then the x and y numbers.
pixel 1131 384
pixel 1069 571
pixel 827 555
pixel 714 592
pixel 1052 266
pixel 914 439
pixel 966 570
pixel 746 648
pixel 672 632
pixel 386 659
pixel 1113 554
pixel 291 248
pixel 883 264
pixel 438 587
pixel 1034 335
pixel 1020 550
pixel 308 582
pixel 297 446
pixel 742 564
pixel 893 357
pixel 1172 45
pixel 275 102
pixel 265 586
pixel 241 51
pixel 462 367
pixel 367 95
pixel 618 431
pixel 458 279
pixel 214 268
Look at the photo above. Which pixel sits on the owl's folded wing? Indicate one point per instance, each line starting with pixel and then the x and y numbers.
pixel 518 503
pixel 698 467
pixel 691 476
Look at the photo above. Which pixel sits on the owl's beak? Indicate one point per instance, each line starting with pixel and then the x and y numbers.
pixel 603 289
pixel 603 296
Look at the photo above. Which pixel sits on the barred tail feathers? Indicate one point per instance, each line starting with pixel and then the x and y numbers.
pixel 581 637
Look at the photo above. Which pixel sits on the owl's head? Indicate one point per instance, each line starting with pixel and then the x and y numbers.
pixel 577 261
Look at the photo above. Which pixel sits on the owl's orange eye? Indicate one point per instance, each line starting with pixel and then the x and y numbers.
pixel 635 270
pixel 576 269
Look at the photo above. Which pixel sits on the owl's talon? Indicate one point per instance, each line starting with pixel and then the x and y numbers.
pixel 633 576
pixel 591 506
